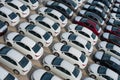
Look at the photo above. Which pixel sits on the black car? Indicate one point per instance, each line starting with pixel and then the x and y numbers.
pixel 66 11
pixel 107 60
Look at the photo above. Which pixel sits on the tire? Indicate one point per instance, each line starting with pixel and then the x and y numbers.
pixel 76 65
pixel 41 14
pixel 41 44
pixel 31 22
pixel 50 33
pixel 56 54
pixel 64 42
pixel 18 14
pixel 21 32
pixel 29 7
pixel 29 56
pixel 16 72
pixel 97 62
pixel 93 76
pixel 71 32
pixel 6 23
pixel 47 68
pixel 9 44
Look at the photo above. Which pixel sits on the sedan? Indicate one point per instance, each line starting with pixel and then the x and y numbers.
pixel 91 15
pixel 107 60
pixel 111 38
pixel 66 11
pixel 113 30
pixel 88 23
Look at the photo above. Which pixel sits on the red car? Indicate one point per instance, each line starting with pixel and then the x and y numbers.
pixel 112 30
pixel 88 24
pixel 111 38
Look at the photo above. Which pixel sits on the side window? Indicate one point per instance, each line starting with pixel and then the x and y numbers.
pixel 107 77
pixel 9 60
pixel 23 45
pixel 26 0
pixel 63 70
pixel 115 52
pixel 46 25
pixel 12 5
pixel 72 56
pixel 79 44
pixel 83 33
pixel 2 14
pixel 35 34
pixel 52 15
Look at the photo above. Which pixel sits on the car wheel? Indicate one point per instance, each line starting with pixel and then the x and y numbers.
pixel 47 68
pixel 41 44
pixel 16 72
pixel 50 33
pixel 76 65
pixel 93 76
pixel 28 7
pixel 18 14
pixel 97 62
pixel 9 44
pixel 56 54
pixel 31 22
pixel 102 50
pixel 67 79
pixel 29 56
pixel 1 4
pixel 64 42
pixel 41 14
pixel 71 32
pixel 21 32
pixel 6 23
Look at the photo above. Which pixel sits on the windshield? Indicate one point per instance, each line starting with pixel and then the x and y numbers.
pixel 118 78
pixel 36 48
pixel 33 1
pixel 102 70
pixel 76 72
pixel 30 27
pixel 62 17
pixel 57 61
pixel 93 36
pixel 88 45
pixel 46 76
pixel 110 46
pixel 78 27
pixel 69 11
pixel 9 77
pixel 65 48
pixel 23 7
pixel 12 15
pixel 23 62
pixel 82 57
pixel 39 18
pixel 97 27
pixel 46 36
pixel 18 37
pixel 72 37
pixel 55 26
pixel 2 24
pixel 4 50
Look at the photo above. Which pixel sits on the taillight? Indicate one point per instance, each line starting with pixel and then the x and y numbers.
pixel 24 70
pixel 37 55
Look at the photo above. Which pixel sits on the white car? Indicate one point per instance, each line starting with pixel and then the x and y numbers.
pixel 3 28
pixel 79 2
pixel 5 75
pixel 41 74
pixel 14 60
pixel 78 42
pixel 32 4
pixel 17 7
pixel 25 45
pixel 9 16
pixel 88 78
pixel 116 16
pixel 99 72
pixel 47 24
pixel 110 48
pixel 70 54
pixel 83 32
pixel 36 33
pixel 62 68
pixel 54 15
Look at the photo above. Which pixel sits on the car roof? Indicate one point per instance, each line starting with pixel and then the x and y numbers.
pixel 3 73
pixel 5 10
pixel 48 21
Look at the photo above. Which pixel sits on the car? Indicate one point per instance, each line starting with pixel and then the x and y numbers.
pixel 113 30
pixel 107 60
pixel 110 38
pixel 61 67
pixel 88 24
pixel 96 10
pixel 115 16
pixel 91 15
pixel 45 23
pixel 113 22
pixel 66 11
pixel 54 15
pixel 102 73
pixel 98 4
pixel 110 48
pixel 88 78
pixel 17 7
pixel 3 28
pixel 69 3
pixel 83 32
pixel 8 16
pixel 70 54
pixel 5 75
pixel 77 42
pixel 24 44
pixel 36 33
pixel 116 10
pixel 116 5
pixel 14 60
pixel 31 4
pixel 41 74
pixel 79 2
